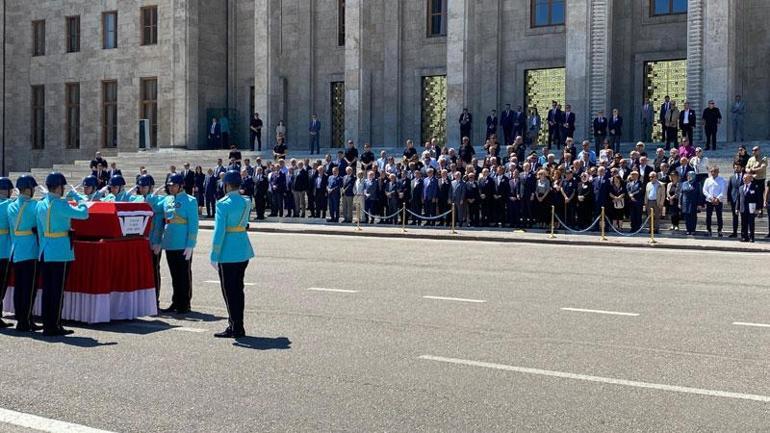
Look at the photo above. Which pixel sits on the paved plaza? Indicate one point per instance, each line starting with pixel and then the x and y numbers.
pixel 361 334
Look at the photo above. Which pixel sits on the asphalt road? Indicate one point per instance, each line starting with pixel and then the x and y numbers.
pixel 538 338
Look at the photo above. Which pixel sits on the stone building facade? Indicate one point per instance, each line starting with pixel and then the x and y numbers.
pixel 378 71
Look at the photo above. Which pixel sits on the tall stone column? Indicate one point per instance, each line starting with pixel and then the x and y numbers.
pixel 185 124
pixel 719 51
pixel 267 88
pixel 458 74
pixel 356 75
pixel 695 22
pixel 588 54
pixel 392 73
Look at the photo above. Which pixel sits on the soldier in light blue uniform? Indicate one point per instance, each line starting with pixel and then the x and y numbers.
pixel 22 223
pixel 116 190
pixel 146 184
pixel 5 241
pixel 231 251
pixel 54 216
pixel 179 237
pixel 90 183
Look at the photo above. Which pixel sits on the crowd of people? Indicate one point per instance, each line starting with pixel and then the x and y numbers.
pixel 498 186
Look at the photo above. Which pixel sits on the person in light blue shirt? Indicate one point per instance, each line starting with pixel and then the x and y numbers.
pixel 231 251
pixel 22 225
pixel 54 218
pixel 146 194
pixel 116 191
pixel 179 237
pixel 5 241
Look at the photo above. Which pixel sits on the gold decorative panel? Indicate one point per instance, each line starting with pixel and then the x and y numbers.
pixel 542 87
pixel 434 108
pixel 338 114
pixel 668 77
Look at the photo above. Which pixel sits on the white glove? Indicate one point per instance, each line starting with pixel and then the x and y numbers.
pixel 188 252
pixel 215 265
pixel 104 190
pixel 156 249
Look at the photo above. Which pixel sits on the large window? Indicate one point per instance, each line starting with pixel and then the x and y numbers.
pixel 547 13
pixel 668 7
pixel 149 25
pixel 72 109
pixel 110 30
pixel 149 98
pixel 341 23
pixel 38 117
pixel 73 34
pixel 38 38
pixel 109 114
pixel 437 10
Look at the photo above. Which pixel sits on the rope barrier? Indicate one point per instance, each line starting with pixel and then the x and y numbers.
pixel 433 218
pixel 566 227
pixel 628 235
pixel 383 217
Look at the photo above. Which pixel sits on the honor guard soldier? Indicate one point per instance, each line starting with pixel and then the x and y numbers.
pixel 179 236
pixel 116 192
pixel 22 222
pixel 5 241
pixel 146 184
pixel 90 188
pixel 231 251
pixel 54 216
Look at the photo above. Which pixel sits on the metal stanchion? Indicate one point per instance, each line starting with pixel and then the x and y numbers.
pixel 652 227
pixel 403 218
pixel 602 222
pixel 358 220
pixel 553 221
pixel 454 232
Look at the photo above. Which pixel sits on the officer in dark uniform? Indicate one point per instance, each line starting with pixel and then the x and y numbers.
pixel 231 251
pixel 54 216
pixel 22 224
pixel 180 235
pixel 5 241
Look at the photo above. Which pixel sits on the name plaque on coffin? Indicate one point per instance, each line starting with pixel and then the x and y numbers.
pixel 114 220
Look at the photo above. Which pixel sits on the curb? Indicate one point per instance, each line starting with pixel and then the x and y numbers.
pixel 486 238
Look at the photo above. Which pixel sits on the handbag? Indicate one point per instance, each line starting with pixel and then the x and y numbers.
pixel 619 203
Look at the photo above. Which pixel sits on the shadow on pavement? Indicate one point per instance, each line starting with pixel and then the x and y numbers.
pixel 263 343
pixel 194 316
pixel 69 340
pixel 136 327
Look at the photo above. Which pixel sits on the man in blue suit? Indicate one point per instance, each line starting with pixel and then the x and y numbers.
pixel 748 204
pixel 314 129
pixel 601 186
pixel 277 191
pixel 231 251
pixel 333 188
pixel 215 133
pixel 430 195
pixel 54 215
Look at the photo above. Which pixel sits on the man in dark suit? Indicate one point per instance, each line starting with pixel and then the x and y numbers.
pixel 601 186
pixel 748 204
pixel 277 191
pixel 318 183
pixel 416 198
pixel 466 121
pixel 333 192
pixel 600 131
pixel 554 129
pixel 215 134
pixel 664 107
pixel 519 123
pixel 300 182
pixel 501 190
pixel 444 203
pixel 189 178
pixel 260 192
pixel 687 119
pixel 568 123
pixel 712 117
pixel 513 202
pixel 430 196
pixel 96 161
pixel 392 186
pixel 114 170
pixel 506 122
pixel 210 192
pixel 492 123
pixel 615 126
pixel 528 186
pixel 733 186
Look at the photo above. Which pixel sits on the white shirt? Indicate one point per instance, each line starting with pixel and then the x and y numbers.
pixel 652 193
pixel 714 187
pixel 686 116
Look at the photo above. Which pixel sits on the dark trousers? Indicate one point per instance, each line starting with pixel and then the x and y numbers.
pixel 370 206
pixel 211 205
pixel 553 136
pixel 156 274
pixel 259 205
pixel 430 211
pixel 711 137
pixel 258 136
pixel 687 132
pixel 181 278
pixel 319 210
pixel 710 208
pixel 231 282
pixel 276 207
pixel 334 207
pixel 416 208
pixel 599 142
pixel 635 214
pixel 747 226
pixel 736 217
pixel 615 142
pixel 514 213
pixel 225 140
pixel 671 134
pixel 24 291
pixel 54 275
pixel 508 136
pixel 473 213
pixel 315 145
pixel 4 268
